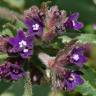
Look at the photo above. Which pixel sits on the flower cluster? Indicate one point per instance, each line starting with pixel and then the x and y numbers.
pixel 72 77
pixel 43 25
pixel 67 78
pixel 48 23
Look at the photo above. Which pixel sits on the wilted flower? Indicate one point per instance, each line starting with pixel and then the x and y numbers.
pixel 72 80
pixel 22 44
pixel 78 57
pixel 54 23
pixel 54 12
pixel 31 12
pixel 49 35
pixel 72 22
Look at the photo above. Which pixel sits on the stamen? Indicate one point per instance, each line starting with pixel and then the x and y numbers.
pixel 71 78
pixel 22 43
pixel 73 22
pixel 75 57
pixel 25 50
pixel 35 27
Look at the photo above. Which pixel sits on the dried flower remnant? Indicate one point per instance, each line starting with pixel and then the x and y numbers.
pixel 72 22
pixel 54 23
pixel 48 61
pixel 49 35
pixel 4 43
pixel 31 12
pixel 22 44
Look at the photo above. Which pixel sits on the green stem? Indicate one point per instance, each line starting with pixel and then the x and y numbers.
pixel 28 85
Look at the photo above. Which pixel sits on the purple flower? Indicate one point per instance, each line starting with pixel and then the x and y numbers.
pixel 15 72
pixel 3 71
pixel 72 80
pixel 11 71
pixel 22 44
pixel 72 22
pixel 77 56
pixel 34 25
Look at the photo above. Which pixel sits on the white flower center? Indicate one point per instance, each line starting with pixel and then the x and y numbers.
pixel 25 50
pixel 73 22
pixel 22 43
pixel 71 78
pixel 75 57
pixel 35 27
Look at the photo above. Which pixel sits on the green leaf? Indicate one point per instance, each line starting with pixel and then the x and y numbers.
pixel 90 75
pixel 3 56
pixel 16 89
pixel 4 86
pixel 86 89
pixel 41 90
pixel 65 39
pixel 20 24
pixel 87 38
pixel 56 93
pixel 89 29
pixel 7 32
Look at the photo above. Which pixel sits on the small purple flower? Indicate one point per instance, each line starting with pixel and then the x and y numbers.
pixel 72 22
pixel 77 56
pixel 11 71
pixel 34 25
pixel 72 80
pixel 15 72
pixel 22 44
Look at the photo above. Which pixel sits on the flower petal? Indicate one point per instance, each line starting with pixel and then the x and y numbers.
pixel 74 16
